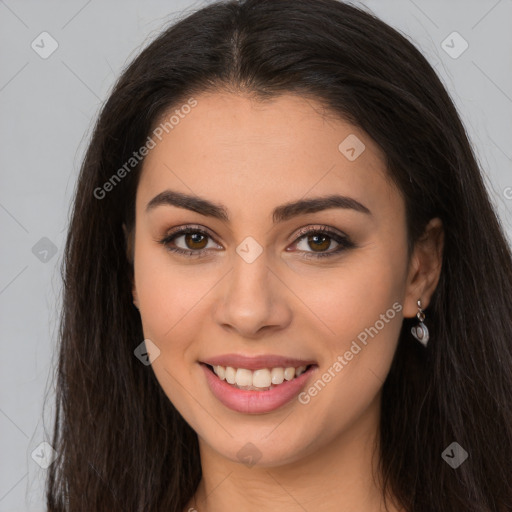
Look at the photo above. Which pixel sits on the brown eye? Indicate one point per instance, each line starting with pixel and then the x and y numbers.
pixel 196 241
pixel 190 241
pixel 319 242
pixel 322 242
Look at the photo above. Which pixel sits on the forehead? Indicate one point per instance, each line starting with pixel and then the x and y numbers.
pixel 239 150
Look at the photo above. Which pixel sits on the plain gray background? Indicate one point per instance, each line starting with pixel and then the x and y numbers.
pixel 48 106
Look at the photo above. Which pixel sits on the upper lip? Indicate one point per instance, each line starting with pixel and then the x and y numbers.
pixel 257 362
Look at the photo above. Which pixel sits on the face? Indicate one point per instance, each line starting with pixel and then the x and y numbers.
pixel 269 275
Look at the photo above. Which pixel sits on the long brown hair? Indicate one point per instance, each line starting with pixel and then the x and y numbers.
pixel 121 444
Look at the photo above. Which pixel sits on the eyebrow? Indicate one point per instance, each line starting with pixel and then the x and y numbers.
pixel 279 214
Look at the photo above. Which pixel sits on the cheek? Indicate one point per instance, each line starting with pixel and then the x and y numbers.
pixel 361 303
pixel 170 294
pixel 171 304
pixel 354 295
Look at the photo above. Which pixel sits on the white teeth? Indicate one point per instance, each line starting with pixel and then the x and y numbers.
pixel 243 377
pixel 220 371
pixel 289 373
pixel 277 376
pixel 263 378
pixel 230 375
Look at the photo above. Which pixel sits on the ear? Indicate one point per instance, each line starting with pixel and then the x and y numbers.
pixel 128 238
pixel 424 268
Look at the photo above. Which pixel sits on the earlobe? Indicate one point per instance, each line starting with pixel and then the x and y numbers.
pixel 135 296
pixel 425 268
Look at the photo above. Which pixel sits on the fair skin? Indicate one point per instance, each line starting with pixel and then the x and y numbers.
pixel 251 157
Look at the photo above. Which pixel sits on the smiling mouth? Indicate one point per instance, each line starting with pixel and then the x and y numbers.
pixel 262 379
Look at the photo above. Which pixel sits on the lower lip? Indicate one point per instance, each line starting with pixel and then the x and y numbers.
pixel 255 402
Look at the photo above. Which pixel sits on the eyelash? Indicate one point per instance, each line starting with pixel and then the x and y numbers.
pixel 343 241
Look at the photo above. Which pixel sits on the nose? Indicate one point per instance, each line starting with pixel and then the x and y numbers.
pixel 253 300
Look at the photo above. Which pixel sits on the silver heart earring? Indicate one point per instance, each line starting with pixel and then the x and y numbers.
pixel 420 331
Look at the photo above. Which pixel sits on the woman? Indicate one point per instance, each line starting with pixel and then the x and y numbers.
pixel 285 285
